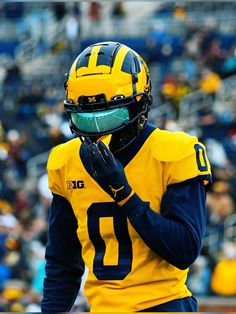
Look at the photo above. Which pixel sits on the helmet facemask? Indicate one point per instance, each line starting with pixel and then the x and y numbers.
pixel 124 100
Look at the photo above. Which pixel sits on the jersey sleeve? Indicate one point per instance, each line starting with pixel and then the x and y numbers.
pixel 192 163
pixel 60 160
pixel 54 167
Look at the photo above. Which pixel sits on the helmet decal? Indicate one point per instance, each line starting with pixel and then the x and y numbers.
pixel 130 59
pixel 102 54
pixel 106 55
pixel 83 58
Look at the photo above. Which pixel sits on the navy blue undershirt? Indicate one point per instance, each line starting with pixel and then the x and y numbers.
pixel 175 235
pixel 64 265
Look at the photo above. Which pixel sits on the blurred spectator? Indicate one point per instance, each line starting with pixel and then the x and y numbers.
pixel 183 89
pixel 18 151
pixel 224 274
pixel 220 205
pixel 190 70
pixel 72 33
pixel 28 101
pixel 2 10
pixel 173 90
pixel 8 242
pixel 216 153
pixel 3 145
pixel 14 10
pixel 59 10
pixel 159 48
pixel 22 202
pixel 43 188
pixel 193 45
pixel 229 141
pixel 13 78
pixel 172 125
pixel 180 12
pixel 167 93
pixel 210 82
pixel 118 10
pixel 214 56
pixel 165 9
pixel 5 273
pixel 50 97
pixel 209 33
pixel 95 11
pixel 229 64
pixel 37 253
pixel 200 276
pixel 76 8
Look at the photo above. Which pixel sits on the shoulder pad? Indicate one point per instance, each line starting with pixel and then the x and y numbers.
pixel 61 153
pixel 184 155
pixel 172 146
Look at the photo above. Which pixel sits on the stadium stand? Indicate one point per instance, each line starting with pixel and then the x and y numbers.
pixel 191 51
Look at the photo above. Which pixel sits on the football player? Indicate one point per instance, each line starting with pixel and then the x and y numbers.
pixel 128 198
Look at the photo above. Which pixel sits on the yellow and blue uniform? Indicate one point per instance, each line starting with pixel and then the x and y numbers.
pixel 137 254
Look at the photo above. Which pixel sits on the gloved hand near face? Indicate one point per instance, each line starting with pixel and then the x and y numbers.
pixel 107 171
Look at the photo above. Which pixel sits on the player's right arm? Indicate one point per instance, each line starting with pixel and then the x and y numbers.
pixel 64 265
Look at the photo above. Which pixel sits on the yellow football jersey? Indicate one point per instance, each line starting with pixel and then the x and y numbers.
pixel 124 273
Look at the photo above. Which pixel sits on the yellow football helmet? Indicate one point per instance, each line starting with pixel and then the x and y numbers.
pixel 108 91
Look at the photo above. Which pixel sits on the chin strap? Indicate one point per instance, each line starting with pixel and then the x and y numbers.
pixel 142 122
pixel 123 138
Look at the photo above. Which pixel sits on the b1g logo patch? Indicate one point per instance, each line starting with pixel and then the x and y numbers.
pixel 75 184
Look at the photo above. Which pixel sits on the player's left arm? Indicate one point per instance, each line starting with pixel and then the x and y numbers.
pixel 176 234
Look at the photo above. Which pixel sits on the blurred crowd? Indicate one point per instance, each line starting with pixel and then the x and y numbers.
pixel 32 121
